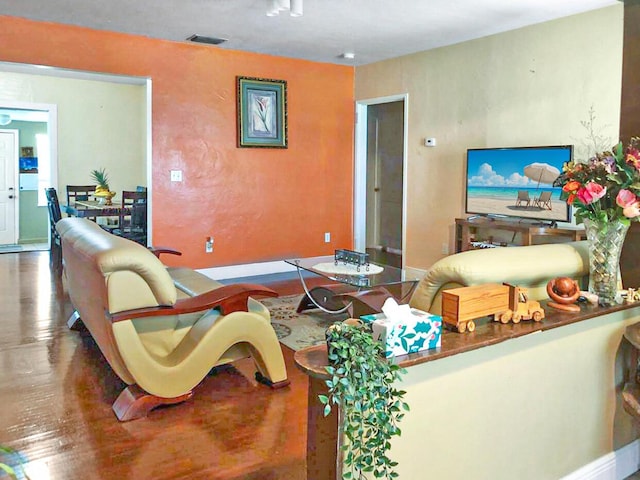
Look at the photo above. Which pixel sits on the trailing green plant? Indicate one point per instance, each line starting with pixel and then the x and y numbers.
pixel 362 386
pixel 8 469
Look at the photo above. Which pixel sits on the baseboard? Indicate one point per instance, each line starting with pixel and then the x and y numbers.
pixel 26 241
pixel 616 465
pixel 247 270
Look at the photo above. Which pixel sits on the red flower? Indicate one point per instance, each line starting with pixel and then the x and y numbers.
pixel 591 192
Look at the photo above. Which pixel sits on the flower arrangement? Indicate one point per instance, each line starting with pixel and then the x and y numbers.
pixel 606 187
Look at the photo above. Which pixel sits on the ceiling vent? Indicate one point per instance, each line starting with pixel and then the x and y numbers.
pixel 202 39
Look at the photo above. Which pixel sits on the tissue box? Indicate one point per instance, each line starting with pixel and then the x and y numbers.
pixel 421 332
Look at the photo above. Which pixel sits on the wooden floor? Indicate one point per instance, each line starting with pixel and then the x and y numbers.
pixel 56 392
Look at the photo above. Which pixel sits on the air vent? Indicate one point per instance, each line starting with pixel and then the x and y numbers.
pixel 202 39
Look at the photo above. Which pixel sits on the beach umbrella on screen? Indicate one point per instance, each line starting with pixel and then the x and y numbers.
pixel 541 173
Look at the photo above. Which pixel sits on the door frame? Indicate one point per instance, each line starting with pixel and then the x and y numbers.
pixel 360 171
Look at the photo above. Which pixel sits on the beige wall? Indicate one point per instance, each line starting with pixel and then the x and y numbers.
pixel 100 124
pixel 537 407
pixel 531 86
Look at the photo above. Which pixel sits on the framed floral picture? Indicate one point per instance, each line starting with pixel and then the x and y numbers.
pixel 262 112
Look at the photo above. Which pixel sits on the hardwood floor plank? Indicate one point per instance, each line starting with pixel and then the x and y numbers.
pixel 56 392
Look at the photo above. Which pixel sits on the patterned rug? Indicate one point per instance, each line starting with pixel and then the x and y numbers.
pixel 298 330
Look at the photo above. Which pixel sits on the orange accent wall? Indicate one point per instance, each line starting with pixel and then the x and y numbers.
pixel 259 204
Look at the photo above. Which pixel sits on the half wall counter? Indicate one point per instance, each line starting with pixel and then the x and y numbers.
pixel 531 401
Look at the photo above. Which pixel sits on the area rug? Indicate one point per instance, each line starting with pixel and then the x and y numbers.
pixel 298 330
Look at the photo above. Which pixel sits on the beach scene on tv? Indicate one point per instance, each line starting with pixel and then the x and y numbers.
pixel 517 182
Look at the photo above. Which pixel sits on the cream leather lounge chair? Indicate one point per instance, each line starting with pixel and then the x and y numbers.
pixel 161 335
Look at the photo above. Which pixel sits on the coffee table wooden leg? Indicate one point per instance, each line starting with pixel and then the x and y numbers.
pixel 365 302
pixel 325 296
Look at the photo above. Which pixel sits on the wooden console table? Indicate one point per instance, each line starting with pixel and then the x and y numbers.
pixel 466 228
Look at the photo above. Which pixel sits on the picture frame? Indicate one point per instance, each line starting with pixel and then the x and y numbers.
pixel 26 151
pixel 261 113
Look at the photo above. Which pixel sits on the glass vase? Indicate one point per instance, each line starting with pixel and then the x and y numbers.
pixel 605 245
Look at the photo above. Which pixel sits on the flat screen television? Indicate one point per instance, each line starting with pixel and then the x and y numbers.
pixel 517 182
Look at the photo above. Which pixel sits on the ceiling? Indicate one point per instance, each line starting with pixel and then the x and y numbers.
pixel 373 30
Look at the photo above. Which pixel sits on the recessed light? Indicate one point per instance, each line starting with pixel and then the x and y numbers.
pixel 202 39
pixel 348 55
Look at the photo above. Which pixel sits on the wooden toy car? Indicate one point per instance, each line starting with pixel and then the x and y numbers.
pixel 461 306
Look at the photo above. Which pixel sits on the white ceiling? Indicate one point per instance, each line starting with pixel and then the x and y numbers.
pixel 372 29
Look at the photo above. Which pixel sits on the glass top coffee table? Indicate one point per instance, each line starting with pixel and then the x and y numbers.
pixel 359 289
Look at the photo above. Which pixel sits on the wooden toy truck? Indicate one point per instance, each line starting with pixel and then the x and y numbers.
pixel 460 306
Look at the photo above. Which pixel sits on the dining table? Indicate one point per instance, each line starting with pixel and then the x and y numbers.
pixel 93 208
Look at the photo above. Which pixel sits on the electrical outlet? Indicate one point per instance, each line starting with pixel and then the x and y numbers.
pixel 327 237
pixel 208 245
pixel 445 248
pixel 176 175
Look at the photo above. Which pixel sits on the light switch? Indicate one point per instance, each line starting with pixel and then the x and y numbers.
pixel 176 175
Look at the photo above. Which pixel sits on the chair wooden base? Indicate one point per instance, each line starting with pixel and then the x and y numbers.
pixel 273 385
pixel 133 403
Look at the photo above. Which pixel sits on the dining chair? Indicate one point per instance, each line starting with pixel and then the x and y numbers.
pixel 55 244
pixel 132 223
pixel 80 192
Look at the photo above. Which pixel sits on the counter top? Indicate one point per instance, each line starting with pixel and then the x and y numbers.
pixel 313 360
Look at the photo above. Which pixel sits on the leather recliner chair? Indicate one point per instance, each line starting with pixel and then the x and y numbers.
pixel 159 339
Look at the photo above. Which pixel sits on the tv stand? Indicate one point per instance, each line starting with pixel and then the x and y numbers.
pixel 474 232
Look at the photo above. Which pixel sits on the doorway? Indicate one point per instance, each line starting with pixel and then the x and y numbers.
pixel 380 201
pixel 33 168
pixel 93 104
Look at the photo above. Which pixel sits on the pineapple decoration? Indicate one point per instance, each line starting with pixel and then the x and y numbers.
pixel 102 189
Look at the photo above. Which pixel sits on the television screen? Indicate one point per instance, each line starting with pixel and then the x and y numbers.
pixel 517 182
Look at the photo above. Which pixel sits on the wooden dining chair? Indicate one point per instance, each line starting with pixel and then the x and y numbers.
pixel 132 223
pixel 55 244
pixel 80 192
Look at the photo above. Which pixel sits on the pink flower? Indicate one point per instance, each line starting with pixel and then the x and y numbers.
pixel 626 198
pixel 591 192
pixel 631 211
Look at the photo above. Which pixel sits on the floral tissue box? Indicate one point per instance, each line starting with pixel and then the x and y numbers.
pixel 414 331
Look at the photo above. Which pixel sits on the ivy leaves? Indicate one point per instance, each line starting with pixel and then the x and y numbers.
pixel 362 386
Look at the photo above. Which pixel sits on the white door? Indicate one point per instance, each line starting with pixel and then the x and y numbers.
pixel 8 186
